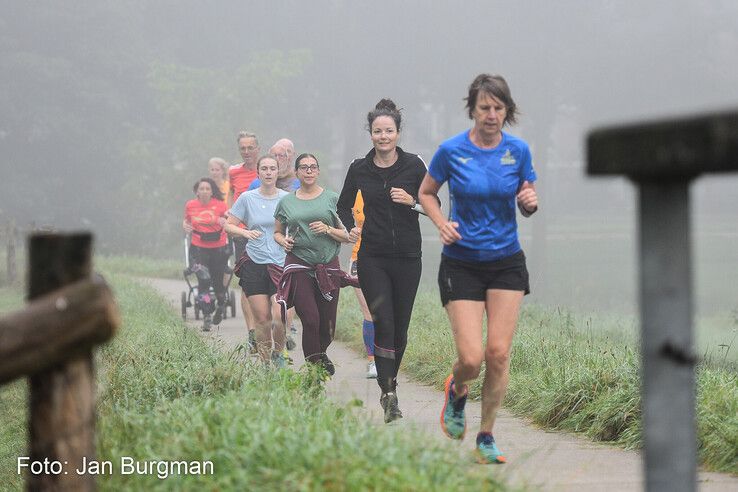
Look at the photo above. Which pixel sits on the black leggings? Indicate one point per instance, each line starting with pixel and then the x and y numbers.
pixel 389 286
pixel 215 261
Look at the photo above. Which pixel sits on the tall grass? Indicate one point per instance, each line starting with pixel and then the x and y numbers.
pixel 13 410
pixel 139 266
pixel 165 394
pixel 569 372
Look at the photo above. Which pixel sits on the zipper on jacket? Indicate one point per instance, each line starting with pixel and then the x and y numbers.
pixel 392 220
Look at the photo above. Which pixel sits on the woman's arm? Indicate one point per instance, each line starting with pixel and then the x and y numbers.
pixel 527 199
pixel 340 235
pixel 428 196
pixel 187 221
pixel 231 226
pixel 337 234
pixel 280 238
pixel 347 198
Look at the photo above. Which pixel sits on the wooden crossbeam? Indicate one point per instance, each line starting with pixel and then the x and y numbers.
pixel 55 327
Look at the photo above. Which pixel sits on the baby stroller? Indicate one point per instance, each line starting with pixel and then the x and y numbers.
pixel 204 302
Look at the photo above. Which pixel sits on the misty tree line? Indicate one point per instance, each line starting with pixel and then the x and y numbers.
pixel 101 134
pixel 110 110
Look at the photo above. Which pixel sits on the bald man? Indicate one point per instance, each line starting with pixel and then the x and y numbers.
pixel 284 151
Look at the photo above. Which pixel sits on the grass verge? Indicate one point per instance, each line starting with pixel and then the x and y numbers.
pixel 139 266
pixel 568 372
pixel 165 394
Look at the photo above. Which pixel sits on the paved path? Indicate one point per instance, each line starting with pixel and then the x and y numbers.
pixel 549 460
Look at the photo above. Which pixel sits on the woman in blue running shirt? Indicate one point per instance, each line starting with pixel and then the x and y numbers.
pixel 482 267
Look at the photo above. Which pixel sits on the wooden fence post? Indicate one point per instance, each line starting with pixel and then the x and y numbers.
pixel 62 399
pixel 663 158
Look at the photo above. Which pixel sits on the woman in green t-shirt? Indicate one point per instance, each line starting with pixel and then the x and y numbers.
pixel 308 228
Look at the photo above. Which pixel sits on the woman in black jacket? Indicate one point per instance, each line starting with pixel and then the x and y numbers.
pixel 389 259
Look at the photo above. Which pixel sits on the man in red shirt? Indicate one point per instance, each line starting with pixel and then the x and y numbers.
pixel 241 176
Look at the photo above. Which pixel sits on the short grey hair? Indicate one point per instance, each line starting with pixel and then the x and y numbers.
pixel 245 134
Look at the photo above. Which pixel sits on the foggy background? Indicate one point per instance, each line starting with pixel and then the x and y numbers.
pixel 109 111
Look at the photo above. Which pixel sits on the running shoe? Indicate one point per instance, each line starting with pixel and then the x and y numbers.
pixel 327 364
pixel 391 407
pixel 218 316
pixel 371 370
pixel 278 360
pixel 453 420
pixel 252 342
pixel 290 343
pixel 487 451
pixel 287 357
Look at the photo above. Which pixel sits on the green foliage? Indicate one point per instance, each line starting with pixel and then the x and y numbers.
pixel 13 409
pixel 166 394
pixel 10 298
pixel 200 111
pixel 569 372
pixel 717 418
pixel 203 108
pixel 106 126
pixel 139 266
pixel 14 415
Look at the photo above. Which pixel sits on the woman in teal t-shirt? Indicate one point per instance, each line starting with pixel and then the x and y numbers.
pixel 308 228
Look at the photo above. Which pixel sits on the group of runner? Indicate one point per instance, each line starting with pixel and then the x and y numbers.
pixel 288 230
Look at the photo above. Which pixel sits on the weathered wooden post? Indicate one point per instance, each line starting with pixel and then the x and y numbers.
pixel 662 158
pixel 62 401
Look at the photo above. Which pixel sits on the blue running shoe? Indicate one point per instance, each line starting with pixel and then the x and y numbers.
pixel 453 420
pixel 487 451
pixel 252 342
pixel 278 360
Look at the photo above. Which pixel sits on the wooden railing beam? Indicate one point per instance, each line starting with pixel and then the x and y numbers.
pixel 49 330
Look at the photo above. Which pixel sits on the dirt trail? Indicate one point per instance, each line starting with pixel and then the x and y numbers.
pixel 549 460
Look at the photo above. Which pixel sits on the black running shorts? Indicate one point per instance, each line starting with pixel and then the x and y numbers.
pixel 255 280
pixel 470 280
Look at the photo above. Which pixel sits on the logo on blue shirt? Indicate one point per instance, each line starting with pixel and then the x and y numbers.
pixel 507 159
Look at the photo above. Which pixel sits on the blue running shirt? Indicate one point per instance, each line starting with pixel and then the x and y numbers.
pixel 483 184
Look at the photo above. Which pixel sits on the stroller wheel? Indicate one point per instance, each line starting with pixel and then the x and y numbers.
pixel 184 305
pixel 232 303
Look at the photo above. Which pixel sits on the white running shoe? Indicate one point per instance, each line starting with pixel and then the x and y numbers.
pixel 371 370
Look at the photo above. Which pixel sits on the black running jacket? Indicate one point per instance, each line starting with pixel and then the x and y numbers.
pixel 390 229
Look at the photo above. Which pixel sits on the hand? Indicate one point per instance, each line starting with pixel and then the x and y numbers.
pixel 449 234
pixel 355 234
pixel 251 234
pixel 528 198
pixel 187 227
pixel 398 195
pixel 319 227
pixel 288 243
